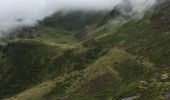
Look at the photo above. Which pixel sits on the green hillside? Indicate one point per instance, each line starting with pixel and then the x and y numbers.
pixel 90 60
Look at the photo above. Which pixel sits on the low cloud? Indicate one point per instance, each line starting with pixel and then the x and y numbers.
pixel 17 13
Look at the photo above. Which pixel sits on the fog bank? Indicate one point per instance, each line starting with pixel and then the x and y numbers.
pixel 16 13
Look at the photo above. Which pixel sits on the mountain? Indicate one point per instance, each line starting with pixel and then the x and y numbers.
pixel 89 56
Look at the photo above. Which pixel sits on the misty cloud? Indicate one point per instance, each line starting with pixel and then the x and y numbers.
pixel 16 13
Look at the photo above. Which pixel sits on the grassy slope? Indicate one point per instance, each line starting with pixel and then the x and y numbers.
pixel 21 62
pixel 128 60
pixel 83 84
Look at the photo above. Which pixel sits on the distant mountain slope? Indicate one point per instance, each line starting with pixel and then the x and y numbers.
pixel 74 20
pixel 161 16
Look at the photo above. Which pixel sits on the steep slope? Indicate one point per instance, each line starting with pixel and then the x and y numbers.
pixel 77 20
pixel 21 63
pixel 111 62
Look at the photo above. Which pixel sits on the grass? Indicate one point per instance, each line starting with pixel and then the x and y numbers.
pixel 54 35
pixel 36 93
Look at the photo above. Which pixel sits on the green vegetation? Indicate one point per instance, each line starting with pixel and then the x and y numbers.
pixel 107 63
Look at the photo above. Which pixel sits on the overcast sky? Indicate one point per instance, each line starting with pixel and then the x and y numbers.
pixel 15 13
